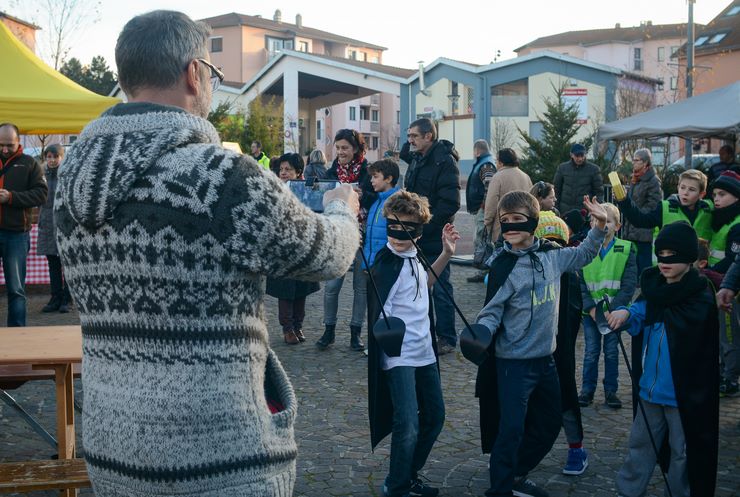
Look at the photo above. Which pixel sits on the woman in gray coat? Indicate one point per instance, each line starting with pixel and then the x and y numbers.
pixel 646 193
pixel 46 243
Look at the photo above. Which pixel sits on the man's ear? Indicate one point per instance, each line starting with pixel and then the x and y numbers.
pixel 703 194
pixel 193 75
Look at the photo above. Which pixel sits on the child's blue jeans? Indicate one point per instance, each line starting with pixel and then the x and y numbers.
pixel 591 356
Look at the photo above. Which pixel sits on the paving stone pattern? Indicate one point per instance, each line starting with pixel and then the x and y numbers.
pixel 332 428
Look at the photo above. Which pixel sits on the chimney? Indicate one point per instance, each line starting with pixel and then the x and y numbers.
pixel 617 26
pixel 278 17
pixel 298 21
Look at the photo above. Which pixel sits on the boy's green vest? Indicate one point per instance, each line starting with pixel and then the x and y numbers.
pixel 718 244
pixel 604 276
pixel 702 222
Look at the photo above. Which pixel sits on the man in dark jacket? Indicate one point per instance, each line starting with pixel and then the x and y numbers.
pixel 22 187
pixel 576 178
pixel 433 173
pixel 475 193
pixel 726 163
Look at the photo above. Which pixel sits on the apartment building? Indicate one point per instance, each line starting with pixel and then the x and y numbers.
pixel 648 50
pixel 241 45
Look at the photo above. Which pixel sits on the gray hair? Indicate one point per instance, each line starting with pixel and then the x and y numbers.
pixel 154 49
pixel 644 155
pixel 317 156
pixel 425 126
pixel 482 146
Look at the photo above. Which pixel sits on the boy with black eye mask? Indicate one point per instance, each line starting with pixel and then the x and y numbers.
pixel 405 393
pixel 518 384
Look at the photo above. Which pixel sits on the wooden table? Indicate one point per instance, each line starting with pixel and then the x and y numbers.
pixel 49 347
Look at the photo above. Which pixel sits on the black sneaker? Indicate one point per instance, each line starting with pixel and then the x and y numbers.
pixel 524 487
pixel 52 305
pixel 478 278
pixel 585 399
pixel 421 489
pixel 611 400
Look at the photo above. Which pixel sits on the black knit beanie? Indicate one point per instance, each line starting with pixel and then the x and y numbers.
pixel 681 238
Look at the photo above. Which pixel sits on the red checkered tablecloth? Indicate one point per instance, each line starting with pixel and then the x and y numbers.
pixel 37 269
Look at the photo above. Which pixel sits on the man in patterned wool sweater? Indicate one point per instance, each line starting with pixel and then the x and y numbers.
pixel 165 238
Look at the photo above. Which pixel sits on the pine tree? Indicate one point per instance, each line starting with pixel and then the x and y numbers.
pixel 264 123
pixel 559 127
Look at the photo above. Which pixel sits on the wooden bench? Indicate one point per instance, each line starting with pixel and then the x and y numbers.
pixel 12 376
pixel 31 476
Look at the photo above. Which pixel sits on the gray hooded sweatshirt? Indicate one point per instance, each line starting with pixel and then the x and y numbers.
pixel 524 312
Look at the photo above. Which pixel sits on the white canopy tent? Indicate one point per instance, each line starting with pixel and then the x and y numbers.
pixel 713 114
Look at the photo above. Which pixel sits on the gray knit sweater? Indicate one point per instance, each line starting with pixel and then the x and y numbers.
pixel 165 239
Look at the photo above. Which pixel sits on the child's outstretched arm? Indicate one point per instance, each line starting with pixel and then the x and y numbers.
pixel 491 315
pixel 571 259
pixel 635 315
pixel 450 236
pixel 649 218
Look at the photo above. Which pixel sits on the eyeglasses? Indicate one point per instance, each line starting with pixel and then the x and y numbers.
pixel 217 76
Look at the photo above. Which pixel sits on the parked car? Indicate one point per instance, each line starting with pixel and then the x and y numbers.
pixel 669 175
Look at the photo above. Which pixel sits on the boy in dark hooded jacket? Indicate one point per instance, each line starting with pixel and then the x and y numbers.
pixel 678 386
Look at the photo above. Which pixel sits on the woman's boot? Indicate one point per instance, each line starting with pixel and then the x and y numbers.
pixel 355 342
pixel 327 338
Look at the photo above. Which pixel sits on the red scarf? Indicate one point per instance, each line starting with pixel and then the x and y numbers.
pixel 637 175
pixel 350 172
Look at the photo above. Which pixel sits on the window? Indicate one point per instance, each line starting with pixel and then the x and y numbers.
pixel 638 59
pixel 276 45
pixel 470 100
pixel 700 41
pixel 364 113
pixel 353 113
pixel 674 50
pixel 318 131
pixel 674 82
pixel 510 99
pixel 375 116
pixel 661 54
pixel 733 11
pixel 398 117
pixel 375 143
pixel 717 38
pixel 374 59
pixel 217 44
pixel 352 54
pixel 303 46
pixel 364 56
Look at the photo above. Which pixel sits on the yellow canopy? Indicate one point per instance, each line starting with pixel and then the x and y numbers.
pixel 38 99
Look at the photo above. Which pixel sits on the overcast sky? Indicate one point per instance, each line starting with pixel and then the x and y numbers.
pixel 417 30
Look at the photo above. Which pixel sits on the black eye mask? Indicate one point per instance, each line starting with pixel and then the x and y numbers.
pixel 414 230
pixel 528 226
pixel 673 259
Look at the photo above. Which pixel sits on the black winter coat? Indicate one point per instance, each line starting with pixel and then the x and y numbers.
pixel 573 182
pixel 435 176
pixel 24 178
pixel 289 289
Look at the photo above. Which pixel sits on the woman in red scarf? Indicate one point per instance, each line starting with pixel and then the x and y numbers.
pixel 646 193
pixel 349 166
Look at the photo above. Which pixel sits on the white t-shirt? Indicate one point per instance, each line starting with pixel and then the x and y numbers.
pixel 408 300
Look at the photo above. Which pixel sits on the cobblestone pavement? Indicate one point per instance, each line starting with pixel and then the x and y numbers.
pixel 332 428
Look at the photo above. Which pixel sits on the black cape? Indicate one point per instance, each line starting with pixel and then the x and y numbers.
pixel 385 271
pixel 486 382
pixel 689 312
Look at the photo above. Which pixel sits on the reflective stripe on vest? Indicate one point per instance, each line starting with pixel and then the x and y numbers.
pixel 604 276
pixel 718 244
pixel 702 222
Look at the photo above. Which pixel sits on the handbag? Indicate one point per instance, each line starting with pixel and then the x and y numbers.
pixel 483 251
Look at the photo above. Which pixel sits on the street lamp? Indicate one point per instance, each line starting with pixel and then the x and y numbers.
pixel 454 97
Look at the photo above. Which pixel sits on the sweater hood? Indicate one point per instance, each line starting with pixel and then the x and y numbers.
pixel 116 150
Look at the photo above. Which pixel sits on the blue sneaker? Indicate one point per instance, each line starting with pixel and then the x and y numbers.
pixel 577 462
